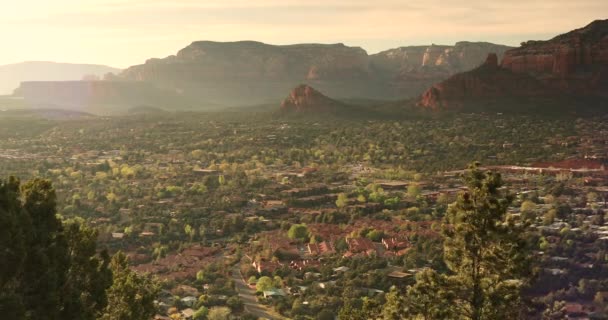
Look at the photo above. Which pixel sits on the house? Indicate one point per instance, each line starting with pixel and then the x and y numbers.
pixel 185 290
pixel 189 301
pixel 360 247
pixel 274 293
pixel 187 313
pixel 341 269
pixel 325 285
pixel 266 266
pixel 395 243
pixel 322 248
pixel 204 172
pixel 393 185
pixel 302 264
pixel 399 275
pixel 372 292
pixel 118 235
pixel 555 271
pixel 575 311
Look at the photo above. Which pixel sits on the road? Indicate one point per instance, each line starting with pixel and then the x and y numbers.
pixel 250 302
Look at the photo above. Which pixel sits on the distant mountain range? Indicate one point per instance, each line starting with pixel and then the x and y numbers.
pixel 11 75
pixel 250 73
pixel 247 73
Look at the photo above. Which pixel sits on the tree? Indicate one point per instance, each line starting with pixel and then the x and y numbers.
pixel 201 313
pixel 219 313
pixel 200 276
pixel 13 238
pixel 190 232
pixel 352 306
pixel 555 311
pixel 298 231
pixel 235 303
pixel 47 259
pixel 485 254
pixel 342 200
pixel 527 209
pixel 375 235
pixel 394 306
pixel 429 297
pixel 361 198
pixel 549 217
pixel 88 275
pixel 49 269
pixel 592 197
pixel 131 296
pixel 264 284
pixel 413 190
pixel 325 314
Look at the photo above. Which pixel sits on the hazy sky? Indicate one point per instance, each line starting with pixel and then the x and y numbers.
pixel 126 32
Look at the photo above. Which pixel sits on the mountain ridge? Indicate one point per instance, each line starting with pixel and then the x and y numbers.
pixel 11 75
pixel 573 64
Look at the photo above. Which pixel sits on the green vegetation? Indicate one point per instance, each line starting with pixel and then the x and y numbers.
pixel 298 232
pixel 485 255
pixel 323 218
pixel 52 270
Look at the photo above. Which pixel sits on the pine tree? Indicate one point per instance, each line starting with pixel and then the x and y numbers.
pixel 47 252
pixel 485 253
pixel 131 296
pixel 13 238
pixel 49 270
pixel 394 306
pixel 88 276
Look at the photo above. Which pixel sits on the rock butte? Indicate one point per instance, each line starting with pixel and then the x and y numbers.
pixel 304 98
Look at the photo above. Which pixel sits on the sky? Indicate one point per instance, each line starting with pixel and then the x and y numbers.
pixel 121 33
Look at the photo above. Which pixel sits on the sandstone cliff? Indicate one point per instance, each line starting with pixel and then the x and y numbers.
pixel 574 64
pixel 248 72
pixel 434 60
pixel 250 60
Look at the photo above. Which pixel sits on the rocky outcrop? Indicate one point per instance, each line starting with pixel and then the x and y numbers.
pixel 575 63
pixel 487 81
pixel 304 98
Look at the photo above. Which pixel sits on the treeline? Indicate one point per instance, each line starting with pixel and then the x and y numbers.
pixel 53 270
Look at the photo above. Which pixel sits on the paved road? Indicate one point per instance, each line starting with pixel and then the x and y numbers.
pixel 250 302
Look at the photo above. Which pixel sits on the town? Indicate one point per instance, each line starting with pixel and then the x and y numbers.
pixel 295 218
